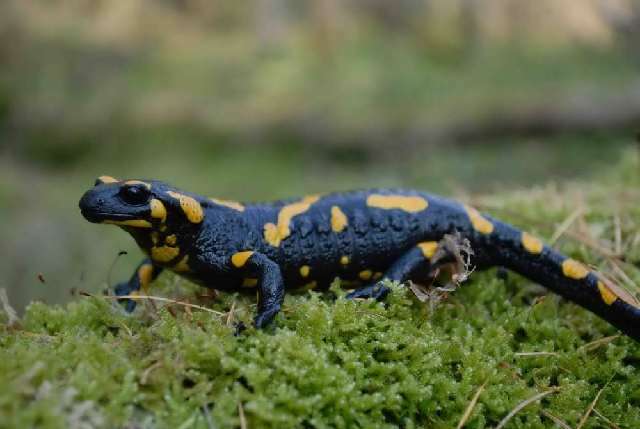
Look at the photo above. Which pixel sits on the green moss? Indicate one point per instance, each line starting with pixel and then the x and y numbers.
pixel 329 362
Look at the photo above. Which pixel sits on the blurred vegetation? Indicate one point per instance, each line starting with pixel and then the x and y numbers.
pixel 273 98
pixel 330 362
pixel 79 74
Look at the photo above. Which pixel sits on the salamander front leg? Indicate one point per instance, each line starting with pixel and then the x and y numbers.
pixel 420 257
pixel 270 284
pixel 140 280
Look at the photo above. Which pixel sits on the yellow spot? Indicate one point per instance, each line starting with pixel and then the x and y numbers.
pixel 249 282
pixel 365 275
pixel 274 234
pixel 428 248
pixel 479 222
pixel 107 179
pixel 191 208
pixel 339 220
pixel 532 244
pixel 305 270
pixel 158 210
pixel 607 295
pixel 271 235
pixel 411 204
pixel 163 228
pixel 136 223
pixel 183 265
pixel 574 269
pixel 138 182
pixel 164 253
pixel 344 260
pixel 155 237
pixel 231 204
pixel 377 275
pixel 171 240
pixel 239 259
pixel 145 275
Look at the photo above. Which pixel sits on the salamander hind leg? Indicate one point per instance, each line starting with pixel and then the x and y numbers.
pixel 424 257
pixel 377 291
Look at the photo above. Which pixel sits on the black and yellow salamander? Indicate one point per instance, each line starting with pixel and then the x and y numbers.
pixel 364 236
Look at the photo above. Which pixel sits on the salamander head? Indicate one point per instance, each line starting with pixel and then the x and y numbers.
pixel 138 204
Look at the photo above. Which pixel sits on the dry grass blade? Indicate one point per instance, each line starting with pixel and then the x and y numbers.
pixel 171 301
pixel 557 420
pixel 617 234
pixel 565 225
pixel 207 417
pixel 230 313
pixel 594 245
pixel 187 310
pixel 243 419
pixel 611 424
pixel 161 299
pixel 145 374
pixel 620 272
pixel 599 343
pixel 522 405
pixel 635 241
pixel 620 291
pixel 587 413
pixel 471 406
pixel 535 354
pixel 126 328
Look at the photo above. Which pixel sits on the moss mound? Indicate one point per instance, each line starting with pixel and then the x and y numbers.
pixel 329 362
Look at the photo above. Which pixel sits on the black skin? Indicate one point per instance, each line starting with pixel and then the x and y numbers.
pixel 375 239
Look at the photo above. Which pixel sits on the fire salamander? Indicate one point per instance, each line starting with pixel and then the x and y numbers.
pixel 364 236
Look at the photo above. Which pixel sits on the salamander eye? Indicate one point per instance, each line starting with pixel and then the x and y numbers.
pixel 135 195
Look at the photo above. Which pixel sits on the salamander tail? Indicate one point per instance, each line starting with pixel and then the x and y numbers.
pixel 528 256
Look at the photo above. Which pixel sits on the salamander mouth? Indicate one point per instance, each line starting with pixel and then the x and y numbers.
pixel 97 217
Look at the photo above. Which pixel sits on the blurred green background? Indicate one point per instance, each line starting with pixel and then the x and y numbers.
pixel 263 99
